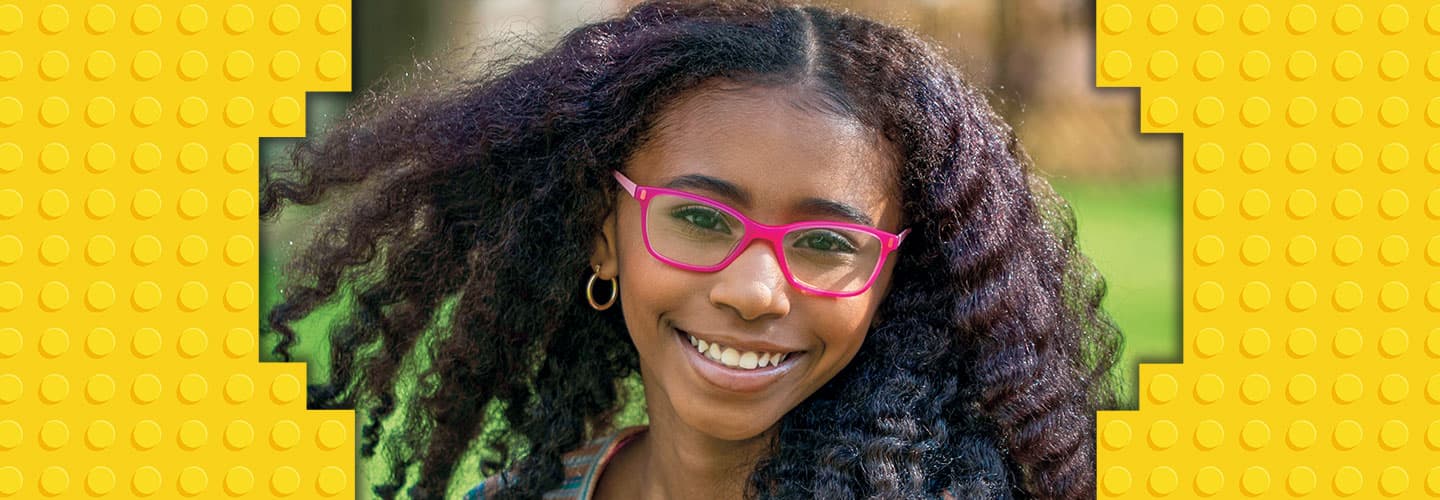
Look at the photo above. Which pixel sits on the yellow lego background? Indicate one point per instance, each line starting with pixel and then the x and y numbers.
pixel 128 246
pixel 128 249
pixel 1311 193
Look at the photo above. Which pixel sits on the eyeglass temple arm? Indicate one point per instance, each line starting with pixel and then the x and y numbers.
pixel 625 181
pixel 893 244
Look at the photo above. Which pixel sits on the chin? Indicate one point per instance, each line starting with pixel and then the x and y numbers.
pixel 731 426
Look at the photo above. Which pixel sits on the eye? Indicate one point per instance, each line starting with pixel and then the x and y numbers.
pixel 702 217
pixel 826 240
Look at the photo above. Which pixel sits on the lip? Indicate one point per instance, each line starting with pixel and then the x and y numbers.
pixel 733 379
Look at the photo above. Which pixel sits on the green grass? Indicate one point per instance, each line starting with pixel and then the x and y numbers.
pixel 1132 233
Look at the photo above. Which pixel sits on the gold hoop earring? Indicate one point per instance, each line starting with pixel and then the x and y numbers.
pixel 590 293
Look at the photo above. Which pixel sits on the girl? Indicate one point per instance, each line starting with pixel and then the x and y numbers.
pixel 828 263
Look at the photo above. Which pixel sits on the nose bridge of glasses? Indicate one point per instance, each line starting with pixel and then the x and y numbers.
pixel 758 231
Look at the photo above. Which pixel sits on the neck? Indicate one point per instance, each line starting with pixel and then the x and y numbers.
pixel 679 461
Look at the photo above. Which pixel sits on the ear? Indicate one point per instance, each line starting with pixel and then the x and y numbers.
pixel 603 252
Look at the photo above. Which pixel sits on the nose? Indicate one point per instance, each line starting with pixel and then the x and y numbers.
pixel 753 285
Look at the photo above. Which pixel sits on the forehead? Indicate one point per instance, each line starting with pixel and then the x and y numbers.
pixel 770 144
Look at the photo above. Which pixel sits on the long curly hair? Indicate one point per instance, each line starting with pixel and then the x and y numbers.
pixel 475 193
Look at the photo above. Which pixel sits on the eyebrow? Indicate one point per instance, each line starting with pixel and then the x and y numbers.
pixel 733 193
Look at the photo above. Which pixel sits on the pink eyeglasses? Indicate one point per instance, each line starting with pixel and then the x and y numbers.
pixel 694 233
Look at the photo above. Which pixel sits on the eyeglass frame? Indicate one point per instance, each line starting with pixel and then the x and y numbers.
pixel 754 230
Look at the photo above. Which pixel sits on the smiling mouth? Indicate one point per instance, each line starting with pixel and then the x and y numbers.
pixel 735 358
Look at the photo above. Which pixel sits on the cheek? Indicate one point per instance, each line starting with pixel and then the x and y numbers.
pixel 648 287
pixel 842 327
pixel 630 249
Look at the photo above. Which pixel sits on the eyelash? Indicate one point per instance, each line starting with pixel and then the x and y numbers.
pixel 682 213
pixel 685 212
pixel 849 246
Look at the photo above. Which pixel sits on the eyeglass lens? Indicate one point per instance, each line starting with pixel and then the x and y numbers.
pixel 832 259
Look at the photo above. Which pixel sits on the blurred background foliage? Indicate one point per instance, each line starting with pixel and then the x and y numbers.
pixel 1035 57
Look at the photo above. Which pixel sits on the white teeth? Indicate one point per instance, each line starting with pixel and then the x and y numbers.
pixel 749 360
pixel 730 357
pixel 736 358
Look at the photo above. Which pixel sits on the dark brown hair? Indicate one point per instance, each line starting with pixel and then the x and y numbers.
pixel 481 195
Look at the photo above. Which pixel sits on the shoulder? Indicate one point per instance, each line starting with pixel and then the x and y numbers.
pixel 486 489
pixel 582 466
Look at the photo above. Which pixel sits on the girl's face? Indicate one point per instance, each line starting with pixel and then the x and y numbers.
pixel 754 151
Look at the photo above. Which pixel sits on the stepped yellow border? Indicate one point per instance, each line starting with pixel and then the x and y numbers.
pixel 128 243
pixel 128 249
pixel 1311 250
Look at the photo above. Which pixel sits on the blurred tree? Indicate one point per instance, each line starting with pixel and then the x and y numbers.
pixel 385 36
